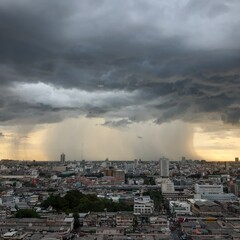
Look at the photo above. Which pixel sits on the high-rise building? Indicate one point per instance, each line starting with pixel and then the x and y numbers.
pixel 62 158
pixel 236 159
pixel 227 166
pixel 164 167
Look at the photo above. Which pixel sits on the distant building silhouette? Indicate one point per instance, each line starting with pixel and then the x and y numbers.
pixel 62 158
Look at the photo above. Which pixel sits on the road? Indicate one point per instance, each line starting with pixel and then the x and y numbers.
pixel 174 235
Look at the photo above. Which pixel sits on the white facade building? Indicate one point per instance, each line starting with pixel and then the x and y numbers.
pixel 214 192
pixel 143 205
pixel 206 189
pixel 167 186
pixel 180 207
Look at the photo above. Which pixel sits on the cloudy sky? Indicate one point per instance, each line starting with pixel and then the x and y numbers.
pixel 119 79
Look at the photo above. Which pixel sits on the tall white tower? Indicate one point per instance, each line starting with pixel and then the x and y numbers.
pixel 164 167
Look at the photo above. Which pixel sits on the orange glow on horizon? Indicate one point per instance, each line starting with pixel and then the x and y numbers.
pixel 212 146
pixel 46 142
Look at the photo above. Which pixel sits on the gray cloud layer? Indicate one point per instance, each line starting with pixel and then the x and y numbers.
pixel 137 60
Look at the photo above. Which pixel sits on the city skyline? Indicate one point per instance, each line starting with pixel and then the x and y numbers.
pixel 98 79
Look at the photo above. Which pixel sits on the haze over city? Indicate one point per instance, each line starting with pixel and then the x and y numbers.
pixel 119 79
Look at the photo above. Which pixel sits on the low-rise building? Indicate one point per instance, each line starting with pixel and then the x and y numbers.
pixel 159 222
pixel 167 186
pixel 206 208
pixel 60 224
pixel 124 219
pixel 207 188
pixel 143 205
pixel 178 208
pixel 214 229
pixel 214 193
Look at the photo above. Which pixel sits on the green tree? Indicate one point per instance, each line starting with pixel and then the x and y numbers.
pixel 157 198
pixel 149 181
pixel 75 201
pixel 26 213
pixel 76 220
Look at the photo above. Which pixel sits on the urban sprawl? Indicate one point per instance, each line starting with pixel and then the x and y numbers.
pixel 119 200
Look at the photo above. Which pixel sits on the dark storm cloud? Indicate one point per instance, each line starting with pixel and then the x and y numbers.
pixel 119 123
pixel 17 112
pixel 173 59
pixel 232 115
